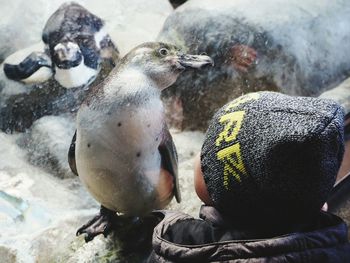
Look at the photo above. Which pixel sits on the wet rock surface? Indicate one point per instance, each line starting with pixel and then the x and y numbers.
pixel 343 212
pixel 340 94
pixel 297 43
pixel 7 255
pixel 47 143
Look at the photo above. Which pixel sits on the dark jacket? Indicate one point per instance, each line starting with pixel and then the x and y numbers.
pixel 181 238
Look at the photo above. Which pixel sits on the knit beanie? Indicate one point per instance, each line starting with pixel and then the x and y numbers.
pixel 270 159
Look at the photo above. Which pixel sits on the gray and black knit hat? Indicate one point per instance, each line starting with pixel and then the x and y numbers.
pixel 270 158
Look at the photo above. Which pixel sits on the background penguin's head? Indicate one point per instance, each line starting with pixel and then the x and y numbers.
pixel 67 55
pixel 163 62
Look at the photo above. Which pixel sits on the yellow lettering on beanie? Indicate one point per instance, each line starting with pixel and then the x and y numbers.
pixel 233 163
pixel 242 99
pixel 233 122
pixel 231 155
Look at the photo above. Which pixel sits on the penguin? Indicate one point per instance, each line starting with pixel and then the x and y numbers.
pixel 122 150
pixel 75 43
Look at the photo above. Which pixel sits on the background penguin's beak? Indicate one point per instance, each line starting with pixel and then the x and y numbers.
pixel 194 61
pixel 67 55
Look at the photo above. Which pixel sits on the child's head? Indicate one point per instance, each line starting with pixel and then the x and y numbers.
pixel 271 159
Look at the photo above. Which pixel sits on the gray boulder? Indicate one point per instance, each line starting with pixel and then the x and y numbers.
pixel 296 47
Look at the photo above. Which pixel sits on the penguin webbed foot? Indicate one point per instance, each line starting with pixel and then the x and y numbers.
pixel 101 224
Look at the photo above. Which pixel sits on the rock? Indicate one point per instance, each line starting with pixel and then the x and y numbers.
pixel 47 143
pixel 339 200
pixel 7 255
pixel 340 94
pixel 295 47
pixel 23 22
pixel 58 243
pixel 344 212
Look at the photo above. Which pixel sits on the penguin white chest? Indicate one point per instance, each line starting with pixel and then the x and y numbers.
pixel 117 155
pixel 80 75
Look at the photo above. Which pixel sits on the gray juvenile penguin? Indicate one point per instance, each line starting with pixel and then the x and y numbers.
pixel 124 153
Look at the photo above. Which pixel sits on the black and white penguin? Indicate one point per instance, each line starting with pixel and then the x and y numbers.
pixel 124 153
pixel 75 43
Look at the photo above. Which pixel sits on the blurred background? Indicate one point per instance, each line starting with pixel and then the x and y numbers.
pixel 297 47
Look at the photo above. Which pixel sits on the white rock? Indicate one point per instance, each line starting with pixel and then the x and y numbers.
pixel 48 144
pixel 340 94
pixel 42 201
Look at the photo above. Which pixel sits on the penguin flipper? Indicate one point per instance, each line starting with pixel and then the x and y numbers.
pixel 28 66
pixel 71 155
pixel 168 154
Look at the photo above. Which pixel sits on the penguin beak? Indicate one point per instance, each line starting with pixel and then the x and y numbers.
pixel 67 55
pixel 194 61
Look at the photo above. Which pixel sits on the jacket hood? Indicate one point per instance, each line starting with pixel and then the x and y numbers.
pixel 325 244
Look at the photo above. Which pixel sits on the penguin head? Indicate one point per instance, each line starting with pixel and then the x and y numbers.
pixel 67 55
pixel 163 62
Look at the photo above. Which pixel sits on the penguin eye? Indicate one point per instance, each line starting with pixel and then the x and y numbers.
pixel 163 51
